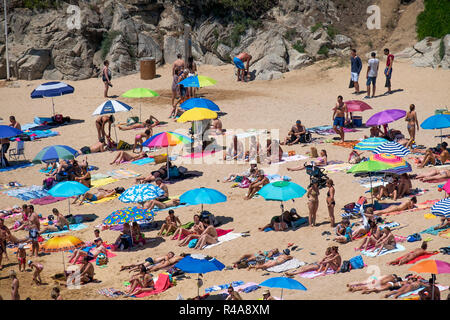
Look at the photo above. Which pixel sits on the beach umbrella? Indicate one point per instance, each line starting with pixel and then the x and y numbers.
pixel 283 283
pixel 111 106
pixel 197 114
pixel 7 132
pixel 199 264
pixel 399 165
pixel 386 116
pixel 130 214
pixel 370 143
pixel 441 208
pixel 357 105
pixel 166 139
pixel 140 193
pixel 281 191
pixel 68 189
pixel 431 266
pixel 61 244
pixel 140 93
pixel 198 81
pixel 369 167
pixel 202 196
pixel 199 103
pixel 437 121
pixel 52 89
pixel 54 153
pixel 392 147
pixel 446 188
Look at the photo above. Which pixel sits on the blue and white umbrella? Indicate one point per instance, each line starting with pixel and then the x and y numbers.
pixel 392 147
pixel 441 208
pixel 111 106
pixel 140 193
pixel 52 89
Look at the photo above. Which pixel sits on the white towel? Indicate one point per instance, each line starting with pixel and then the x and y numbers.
pixel 226 237
pixel 288 265
pixel 374 253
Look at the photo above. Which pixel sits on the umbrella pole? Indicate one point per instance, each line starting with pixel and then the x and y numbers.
pixel 371 190
pixel 168 174
pixel 68 199
pixel 140 111
pixel 281 294
pixel 53 107
pixel 115 132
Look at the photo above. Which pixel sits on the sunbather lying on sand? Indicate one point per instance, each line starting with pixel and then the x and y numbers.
pixel 160 173
pixel 407 205
pixel 149 123
pixel 260 256
pixel 320 161
pixel 431 158
pixel 332 260
pixel 412 255
pixel 282 258
pixel 149 262
pixel 167 262
pixel 412 283
pixel 395 284
pixel 162 205
pixel 434 174
pixel 123 156
pixel 373 283
pixel 100 194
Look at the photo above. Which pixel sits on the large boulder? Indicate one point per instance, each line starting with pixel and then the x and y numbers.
pixel 121 58
pixel 298 60
pixel 317 40
pixel 341 41
pixel 223 51
pixel 148 47
pixel 270 67
pixel 211 59
pixel 428 53
pixel 267 42
pixel 207 34
pixel 445 63
pixel 171 19
pixel 32 65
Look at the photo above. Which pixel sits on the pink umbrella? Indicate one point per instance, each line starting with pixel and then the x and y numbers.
pixel 446 187
pixel 357 105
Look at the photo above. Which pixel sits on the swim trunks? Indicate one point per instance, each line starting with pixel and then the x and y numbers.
pixel 85 150
pixel 339 121
pixel 354 76
pixel 94 198
pixel 238 63
pixel 33 234
pixel 371 80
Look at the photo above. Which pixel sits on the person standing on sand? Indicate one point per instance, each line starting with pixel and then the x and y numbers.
pixel 372 72
pixel 35 227
pixel 178 64
pixel 239 63
pixel 339 111
pixel 388 69
pixel 412 122
pixel 355 69
pixel 106 78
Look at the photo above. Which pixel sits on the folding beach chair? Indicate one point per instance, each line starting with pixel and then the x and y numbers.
pixel 18 151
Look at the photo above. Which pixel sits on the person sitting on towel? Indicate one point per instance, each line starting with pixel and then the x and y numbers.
pixel 387 241
pixel 91 254
pixel 332 260
pixel 295 134
pixel 59 226
pixel 445 223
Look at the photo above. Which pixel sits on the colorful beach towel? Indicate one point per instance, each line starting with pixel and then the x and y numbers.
pixel 98 176
pixel 123 174
pixel 346 144
pixel 373 254
pixel 102 182
pixel 28 193
pixel 287 265
pixel 102 200
pixel 296 157
pixel 315 274
pixel 234 284
pixel 110 292
pixel 10 185
pixel 246 287
pixel 143 161
pixel 199 154
pixel 162 284
pixel 338 167
pixel 445 234
pixel 431 230
pixel 46 200
pixel 415 292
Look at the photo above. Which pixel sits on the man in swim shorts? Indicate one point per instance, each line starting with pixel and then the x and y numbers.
pixel 340 117
pixel 239 63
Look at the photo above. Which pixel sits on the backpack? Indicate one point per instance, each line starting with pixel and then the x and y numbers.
pixel 346 266
pixel 58 118
pixel 357 262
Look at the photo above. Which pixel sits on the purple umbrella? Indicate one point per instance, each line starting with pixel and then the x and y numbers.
pixel 385 116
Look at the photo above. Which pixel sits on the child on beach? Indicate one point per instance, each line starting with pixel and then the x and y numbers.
pixel 38 267
pixel 347 237
pixel 21 257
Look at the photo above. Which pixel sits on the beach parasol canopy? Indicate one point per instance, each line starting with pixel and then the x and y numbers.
pixel 139 93
pixel 386 116
pixel 431 266
pixel 283 283
pixel 55 153
pixel 357 105
pixel 68 189
pixel 7 132
pixel 140 193
pixel 202 196
pixel 392 147
pixel 111 106
pixel 437 121
pixel 52 89
pixel 198 81
pixel 370 143
pixel 129 215
pixel 281 191
pixel 197 114
pixel 199 103
pixel 441 208
pixel 61 244
pixel 399 165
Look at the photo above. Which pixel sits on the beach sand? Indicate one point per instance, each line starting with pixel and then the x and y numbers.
pixel 308 94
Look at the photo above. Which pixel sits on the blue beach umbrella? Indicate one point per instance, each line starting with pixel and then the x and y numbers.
pixel 198 81
pixel 129 215
pixel 370 143
pixel 197 264
pixel 54 153
pixel 283 283
pixel 202 196
pixel 111 106
pixel 7 132
pixel 441 208
pixel 437 121
pixel 140 193
pixel 199 103
pixel 68 189
pixel 281 191
pixel 52 89
pixel 392 147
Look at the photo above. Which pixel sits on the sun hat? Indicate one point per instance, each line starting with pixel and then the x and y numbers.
pixel 266 292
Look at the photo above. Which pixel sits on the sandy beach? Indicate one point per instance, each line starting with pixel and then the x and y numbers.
pixel 309 95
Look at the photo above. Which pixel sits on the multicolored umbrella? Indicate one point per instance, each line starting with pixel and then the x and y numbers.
pixel 52 89
pixel 54 153
pixel 140 193
pixel 197 114
pixel 370 143
pixel 399 165
pixel 385 116
pixel 283 283
pixel 129 215
pixel 139 93
pixel 431 266
pixel 441 208
pixel 61 243
pixel 357 105
pixel 392 147
pixel 198 81
pixel 202 196
pixel 199 103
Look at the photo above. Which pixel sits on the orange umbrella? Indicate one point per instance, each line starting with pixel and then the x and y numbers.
pixel 431 266
pixel 62 243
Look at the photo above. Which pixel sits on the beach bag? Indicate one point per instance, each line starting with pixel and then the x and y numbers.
pixel 48 183
pixel 174 272
pixel 357 262
pixel 102 259
pixel 122 145
pixel 351 84
pixel 245 183
pixel 305 138
pixel 192 243
pixel 414 237
pixel 346 266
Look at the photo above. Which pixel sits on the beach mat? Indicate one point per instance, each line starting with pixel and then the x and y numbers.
pixel 143 161
pixel 123 174
pixel 102 200
pixel 287 265
pixel 199 154
pixel 433 232
pixel 102 182
pixel 373 254
pixel 224 238
pixel 246 287
pixel 225 286
pixel 46 200
pixel 73 227
pixel 337 167
pixel 28 193
pixel 346 144
pixel 315 274
pixel 110 292
pixel 16 166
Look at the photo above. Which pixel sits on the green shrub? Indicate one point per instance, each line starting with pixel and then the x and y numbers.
pixel 299 47
pixel 107 41
pixel 434 20
pixel 332 31
pixel 441 49
pixel 41 4
pixel 236 33
pixel 290 34
pixel 323 50
pixel 316 27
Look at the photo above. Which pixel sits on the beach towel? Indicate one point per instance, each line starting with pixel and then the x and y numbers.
pixel 123 174
pixel 431 230
pixel 73 227
pixel 102 182
pixel 445 234
pixel 10 185
pixel 416 292
pixel 315 274
pixel 165 209
pixel 17 166
pixel 287 265
pixel 373 254
pixel 221 239
pixel 337 167
pixel 234 284
pixel 28 193
pixel 346 144
pixel 425 256
pixel 244 287
pixel 143 161
pixel 162 284
pixel 390 225
pixel 46 200
pixel 102 200
pixel 110 292
pixel 199 154
pixel 295 157
pixel 98 176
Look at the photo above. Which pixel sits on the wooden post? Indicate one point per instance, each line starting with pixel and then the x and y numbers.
pixel 187 42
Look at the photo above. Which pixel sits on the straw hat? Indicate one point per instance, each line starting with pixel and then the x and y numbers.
pixel 266 292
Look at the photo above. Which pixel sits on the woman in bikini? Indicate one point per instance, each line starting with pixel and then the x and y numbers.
pixel 123 156
pixel 412 255
pixel 85 177
pixel 411 120
pixel 313 202
pixel 106 77
pixel 150 123
pixel 412 283
pixel 208 236
pixel 387 241
pixel 373 236
pixel 282 258
pixel 407 205
pixel 149 205
pixel 331 203
pixel 160 173
pixel 197 228
pixel 137 236
pixel 373 282
pixel 143 282
pixel 320 162
pixel 331 260
pixel 100 124
pixel 139 139
pixel 101 193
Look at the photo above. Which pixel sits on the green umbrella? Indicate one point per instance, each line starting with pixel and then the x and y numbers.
pixel 140 93
pixel 369 167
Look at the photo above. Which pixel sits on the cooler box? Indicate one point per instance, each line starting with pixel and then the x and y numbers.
pixel 357 121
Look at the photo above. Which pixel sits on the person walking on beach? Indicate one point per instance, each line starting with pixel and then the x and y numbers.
pixel 239 63
pixel 356 66
pixel 178 64
pixel 340 117
pixel 388 69
pixel 106 77
pixel 412 122
pixel 372 72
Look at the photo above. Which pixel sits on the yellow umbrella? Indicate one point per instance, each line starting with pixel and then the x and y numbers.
pixel 61 243
pixel 197 114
